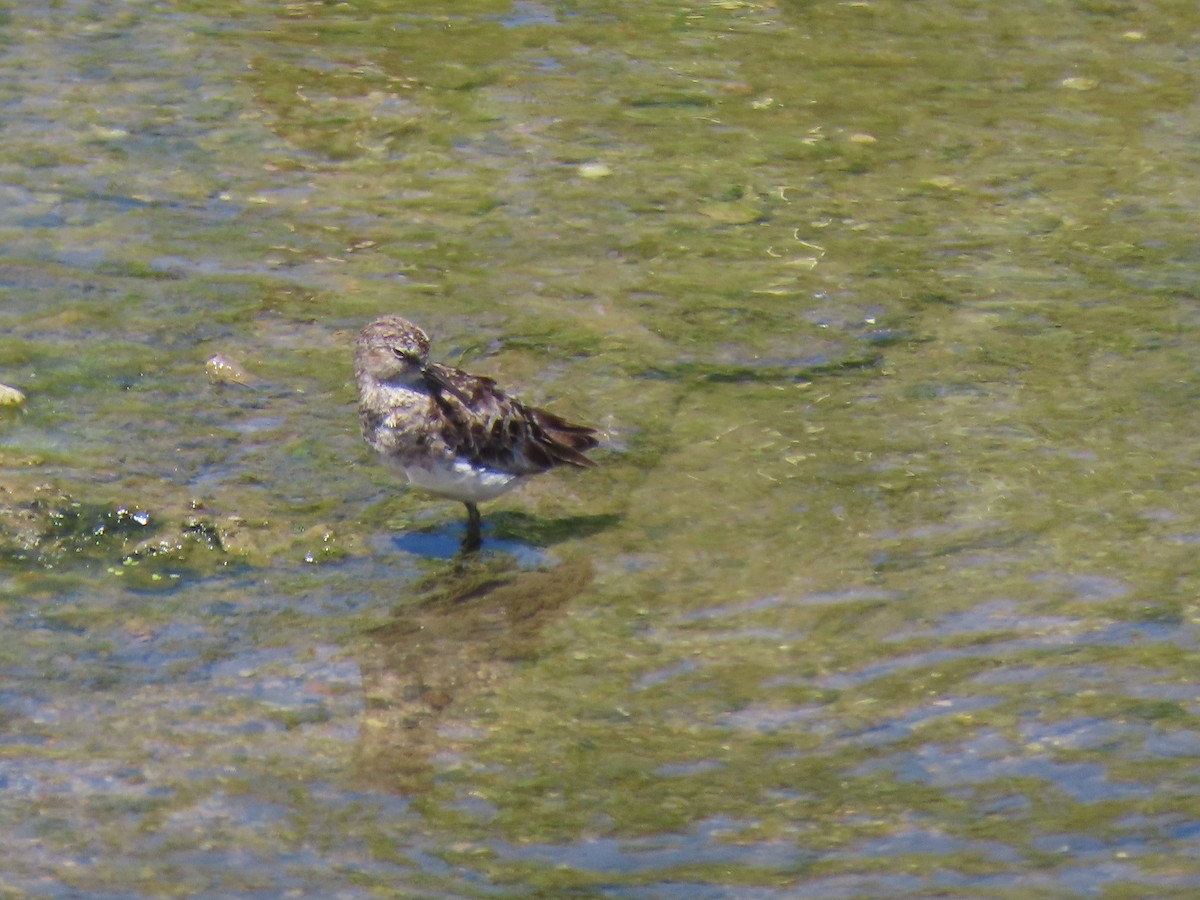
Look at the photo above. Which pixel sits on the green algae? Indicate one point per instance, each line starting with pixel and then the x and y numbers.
pixel 891 322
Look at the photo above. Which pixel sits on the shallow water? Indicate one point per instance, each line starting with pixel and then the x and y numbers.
pixel 885 585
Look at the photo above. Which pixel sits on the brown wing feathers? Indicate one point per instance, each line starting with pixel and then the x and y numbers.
pixel 565 441
pixel 499 431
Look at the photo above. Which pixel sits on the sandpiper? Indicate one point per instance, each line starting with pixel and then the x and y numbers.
pixel 449 432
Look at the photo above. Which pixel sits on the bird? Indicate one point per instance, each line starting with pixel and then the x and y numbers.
pixel 451 433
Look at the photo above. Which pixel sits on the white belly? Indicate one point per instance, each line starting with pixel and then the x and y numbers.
pixel 460 480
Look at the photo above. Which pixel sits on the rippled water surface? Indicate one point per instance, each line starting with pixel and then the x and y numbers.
pixel 886 584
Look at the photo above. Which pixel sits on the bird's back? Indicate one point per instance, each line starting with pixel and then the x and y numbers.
pixel 496 431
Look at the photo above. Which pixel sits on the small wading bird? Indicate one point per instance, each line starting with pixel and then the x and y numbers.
pixel 449 432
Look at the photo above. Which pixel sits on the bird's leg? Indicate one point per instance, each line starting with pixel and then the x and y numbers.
pixel 473 539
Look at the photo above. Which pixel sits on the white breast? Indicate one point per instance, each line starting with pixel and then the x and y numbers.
pixel 459 480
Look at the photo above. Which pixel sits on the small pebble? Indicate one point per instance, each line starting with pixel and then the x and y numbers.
pixel 594 170
pixel 223 370
pixel 10 396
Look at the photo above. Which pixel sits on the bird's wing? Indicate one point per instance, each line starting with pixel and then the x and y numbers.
pixel 498 431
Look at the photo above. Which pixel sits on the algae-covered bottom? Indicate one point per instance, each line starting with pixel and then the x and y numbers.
pixel 885 584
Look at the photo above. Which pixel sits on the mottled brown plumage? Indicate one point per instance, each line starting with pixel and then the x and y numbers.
pixel 450 432
pixel 496 431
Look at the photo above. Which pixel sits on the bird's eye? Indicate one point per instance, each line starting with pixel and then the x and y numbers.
pixel 405 355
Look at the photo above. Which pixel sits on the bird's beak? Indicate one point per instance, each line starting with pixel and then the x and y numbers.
pixel 433 376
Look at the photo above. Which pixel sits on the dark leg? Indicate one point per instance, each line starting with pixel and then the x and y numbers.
pixel 473 539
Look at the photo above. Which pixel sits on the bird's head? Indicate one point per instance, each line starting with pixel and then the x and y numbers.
pixel 392 350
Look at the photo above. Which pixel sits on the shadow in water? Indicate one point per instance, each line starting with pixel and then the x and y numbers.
pixel 515 533
pixel 467 628
pixel 448 542
pixel 544 532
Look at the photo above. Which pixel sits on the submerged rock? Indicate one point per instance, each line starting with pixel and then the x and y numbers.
pixel 43 526
pixel 220 369
pixel 10 396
